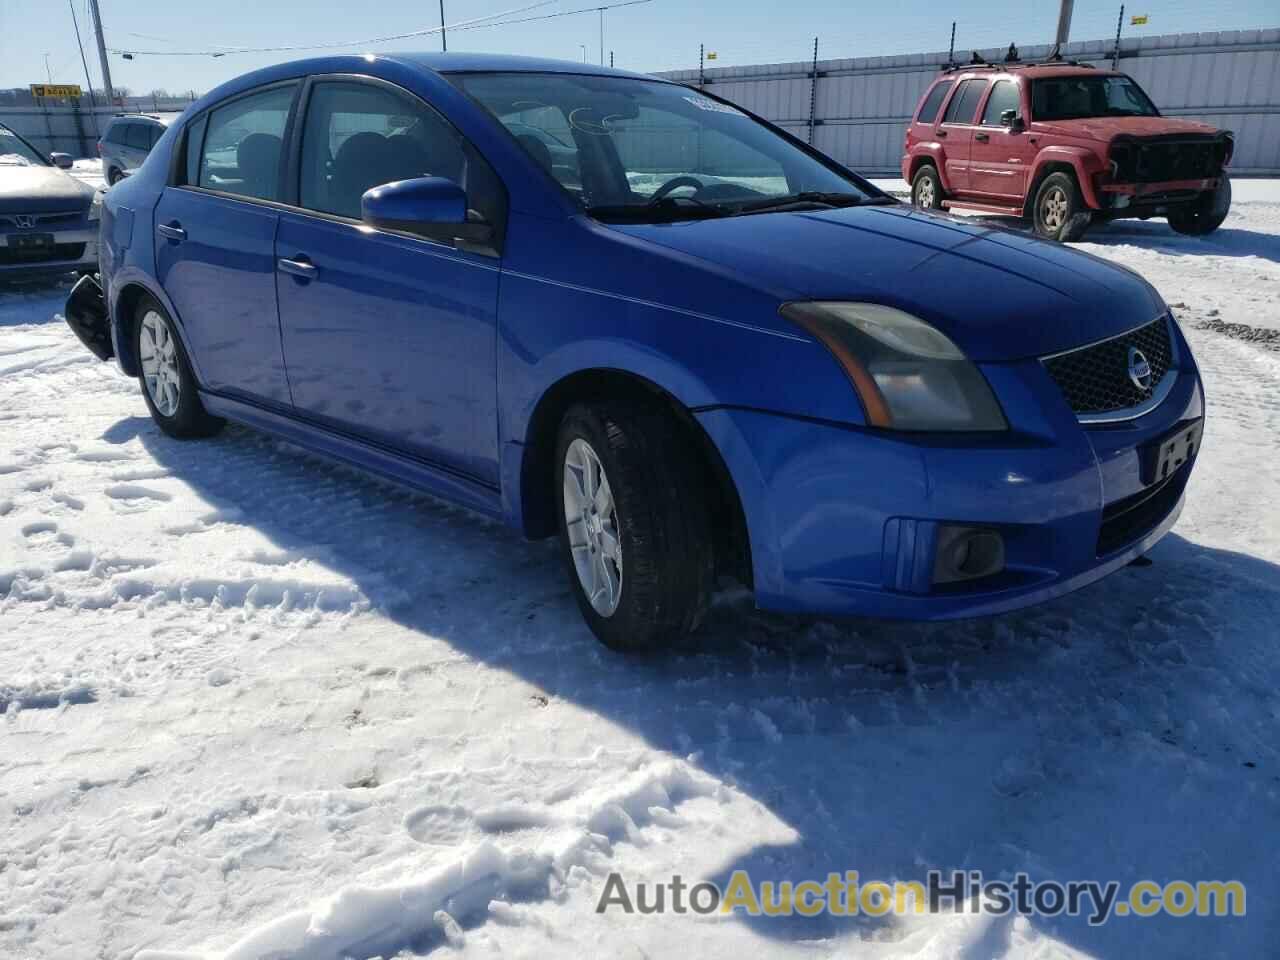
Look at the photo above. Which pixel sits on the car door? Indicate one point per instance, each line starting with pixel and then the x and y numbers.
pixel 215 244
pixel 388 336
pixel 997 161
pixel 956 132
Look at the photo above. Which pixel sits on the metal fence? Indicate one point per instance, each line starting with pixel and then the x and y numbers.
pixel 857 110
pixel 73 126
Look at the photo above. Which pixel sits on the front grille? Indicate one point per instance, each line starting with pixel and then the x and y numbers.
pixel 1129 519
pixel 1156 159
pixel 38 219
pixel 1095 379
pixel 10 256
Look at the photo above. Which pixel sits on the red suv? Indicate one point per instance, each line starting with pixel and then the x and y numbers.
pixel 1062 145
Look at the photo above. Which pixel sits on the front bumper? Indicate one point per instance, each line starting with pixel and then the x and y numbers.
pixel 74 249
pixel 844 521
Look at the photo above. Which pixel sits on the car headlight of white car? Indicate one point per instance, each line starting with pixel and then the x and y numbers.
pixel 95 206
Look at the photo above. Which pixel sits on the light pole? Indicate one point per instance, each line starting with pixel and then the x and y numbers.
pixel 444 41
pixel 602 36
pixel 584 52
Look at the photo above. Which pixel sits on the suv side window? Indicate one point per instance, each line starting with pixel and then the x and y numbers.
pixel 929 109
pixel 157 132
pixel 360 135
pixel 137 136
pixel 965 103
pixel 1004 96
pixel 115 133
pixel 243 144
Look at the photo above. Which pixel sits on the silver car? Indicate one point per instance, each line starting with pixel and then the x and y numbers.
pixel 48 219
pixel 127 140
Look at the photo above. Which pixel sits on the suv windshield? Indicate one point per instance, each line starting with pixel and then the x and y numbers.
pixel 15 152
pixel 646 150
pixel 1071 98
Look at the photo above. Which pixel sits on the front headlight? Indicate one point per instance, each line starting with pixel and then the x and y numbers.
pixel 908 374
pixel 95 206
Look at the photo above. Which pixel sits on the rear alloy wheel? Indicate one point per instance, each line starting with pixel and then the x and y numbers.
pixel 926 189
pixel 1206 214
pixel 168 384
pixel 634 525
pixel 1058 209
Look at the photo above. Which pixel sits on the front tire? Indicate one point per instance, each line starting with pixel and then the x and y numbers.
pixel 1058 210
pixel 926 189
pixel 114 176
pixel 634 524
pixel 168 385
pixel 1204 215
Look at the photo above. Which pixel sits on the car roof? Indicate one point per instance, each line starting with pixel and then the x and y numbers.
pixel 1031 71
pixel 505 63
pixel 164 119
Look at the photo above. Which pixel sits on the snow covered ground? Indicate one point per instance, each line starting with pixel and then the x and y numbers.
pixel 256 705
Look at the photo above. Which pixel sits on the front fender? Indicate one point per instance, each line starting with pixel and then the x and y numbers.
pixel 933 151
pixel 1083 161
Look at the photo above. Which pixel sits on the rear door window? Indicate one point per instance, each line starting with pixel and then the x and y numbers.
pixel 929 109
pixel 244 142
pixel 965 103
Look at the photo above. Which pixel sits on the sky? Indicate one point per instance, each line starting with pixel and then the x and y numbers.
pixel 656 35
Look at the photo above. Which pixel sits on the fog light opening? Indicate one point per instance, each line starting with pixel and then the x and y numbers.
pixel 967 553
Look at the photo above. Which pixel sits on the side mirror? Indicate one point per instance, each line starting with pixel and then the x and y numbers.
pixel 62 161
pixel 430 207
pixel 1010 119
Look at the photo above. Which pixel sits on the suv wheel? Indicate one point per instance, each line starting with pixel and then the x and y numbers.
pixel 114 176
pixel 634 525
pixel 926 189
pixel 1058 211
pixel 165 373
pixel 1204 215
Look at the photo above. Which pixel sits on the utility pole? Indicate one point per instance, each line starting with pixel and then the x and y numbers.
pixel 813 91
pixel 87 79
pixel 702 59
pixel 610 59
pixel 1115 53
pixel 48 71
pixel 602 36
pixel 951 50
pixel 1064 23
pixel 102 54
pixel 444 41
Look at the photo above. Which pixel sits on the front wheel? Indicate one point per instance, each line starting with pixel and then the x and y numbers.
pixel 114 176
pixel 1206 214
pixel 1058 211
pixel 168 385
pixel 926 189
pixel 634 524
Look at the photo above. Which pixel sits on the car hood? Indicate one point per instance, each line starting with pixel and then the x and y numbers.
pixel 999 294
pixel 1106 129
pixel 41 190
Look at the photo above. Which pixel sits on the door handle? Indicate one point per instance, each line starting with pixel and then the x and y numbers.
pixel 300 266
pixel 172 231
pixel 981 137
pixel 942 133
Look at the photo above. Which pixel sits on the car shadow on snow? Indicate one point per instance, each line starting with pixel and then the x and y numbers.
pixel 1158 236
pixel 1106 735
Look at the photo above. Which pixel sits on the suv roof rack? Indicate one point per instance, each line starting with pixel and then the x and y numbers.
pixel 1013 60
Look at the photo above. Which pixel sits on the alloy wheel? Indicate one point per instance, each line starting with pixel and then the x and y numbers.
pixel 924 192
pixel 591 520
pixel 1053 208
pixel 158 355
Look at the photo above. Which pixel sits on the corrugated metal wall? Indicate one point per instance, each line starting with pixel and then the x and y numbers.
pixel 1230 79
pixel 73 128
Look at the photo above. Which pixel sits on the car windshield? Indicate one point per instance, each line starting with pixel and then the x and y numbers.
pixel 637 149
pixel 14 151
pixel 1071 98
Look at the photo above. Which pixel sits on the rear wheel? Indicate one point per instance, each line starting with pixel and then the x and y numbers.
pixel 168 384
pixel 1204 215
pixel 634 525
pixel 1058 210
pixel 926 189
pixel 114 176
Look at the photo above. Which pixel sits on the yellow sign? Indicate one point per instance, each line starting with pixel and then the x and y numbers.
pixel 1138 20
pixel 711 56
pixel 55 89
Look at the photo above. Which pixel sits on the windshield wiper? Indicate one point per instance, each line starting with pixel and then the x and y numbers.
pixel 810 197
pixel 663 210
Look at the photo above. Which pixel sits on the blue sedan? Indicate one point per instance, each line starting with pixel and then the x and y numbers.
pixel 624 311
